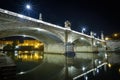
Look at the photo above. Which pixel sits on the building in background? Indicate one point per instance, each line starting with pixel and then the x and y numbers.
pixel 35 44
pixel 113 42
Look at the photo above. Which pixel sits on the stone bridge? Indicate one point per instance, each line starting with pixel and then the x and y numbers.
pixel 56 39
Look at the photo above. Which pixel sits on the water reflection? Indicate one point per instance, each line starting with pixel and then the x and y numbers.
pixel 37 65
pixel 29 56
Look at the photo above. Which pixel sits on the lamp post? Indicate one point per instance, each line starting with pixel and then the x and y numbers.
pixel 95 34
pixel 83 29
pixel 83 68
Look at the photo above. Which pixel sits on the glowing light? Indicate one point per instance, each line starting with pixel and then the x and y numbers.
pixel 21 73
pixel 107 38
pixel 36 56
pixel 16 54
pixel 24 35
pixel 105 55
pixel 25 51
pixel 6 11
pixel 95 34
pixel 99 62
pixel 115 34
pixel 28 6
pixel 37 45
pixel 25 57
pixel 21 16
pixel 109 65
pixel 83 29
pixel 119 70
pixel 83 68
pixel 86 78
pixel 82 38
pixel 30 18
pixel 71 69
pixel 26 44
pixel 41 57
pixel 97 70
pixel 16 46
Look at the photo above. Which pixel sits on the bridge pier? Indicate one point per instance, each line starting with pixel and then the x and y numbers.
pixel 69 50
pixel 54 48
pixel 69 59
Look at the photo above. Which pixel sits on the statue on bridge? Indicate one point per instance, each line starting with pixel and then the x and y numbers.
pixel 67 24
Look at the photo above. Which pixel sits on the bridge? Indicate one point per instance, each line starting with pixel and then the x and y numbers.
pixel 54 37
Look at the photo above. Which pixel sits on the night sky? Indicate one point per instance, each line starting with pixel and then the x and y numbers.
pixel 95 15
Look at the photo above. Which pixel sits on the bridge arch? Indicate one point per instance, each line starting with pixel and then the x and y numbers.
pixel 37 33
pixel 82 42
pixel 51 41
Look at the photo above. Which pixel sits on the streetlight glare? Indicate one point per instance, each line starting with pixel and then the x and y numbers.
pixel 83 29
pixel 115 35
pixel 83 68
pixel 95 34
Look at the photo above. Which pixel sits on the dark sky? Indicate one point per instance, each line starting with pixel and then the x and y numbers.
pixel 95 15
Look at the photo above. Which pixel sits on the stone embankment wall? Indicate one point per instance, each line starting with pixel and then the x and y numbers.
pixel 113 45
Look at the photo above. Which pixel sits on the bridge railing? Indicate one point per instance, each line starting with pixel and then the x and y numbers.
pixel 29 18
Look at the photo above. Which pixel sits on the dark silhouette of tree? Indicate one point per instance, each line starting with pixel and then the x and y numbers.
pixel 15 42
pixel 7 47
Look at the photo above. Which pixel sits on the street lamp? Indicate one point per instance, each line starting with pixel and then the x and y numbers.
pixel 83 68
pixel 83 29
pixel 86 78
pixel 95 34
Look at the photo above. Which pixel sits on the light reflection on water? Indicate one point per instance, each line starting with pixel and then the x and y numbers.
pixel 29 56
pixel 37 65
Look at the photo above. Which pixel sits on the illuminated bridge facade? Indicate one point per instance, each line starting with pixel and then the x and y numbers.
pixel 56 39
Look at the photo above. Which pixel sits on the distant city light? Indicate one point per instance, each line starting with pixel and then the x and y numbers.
pixel 106 38
pixel 109 65
pixel 115 35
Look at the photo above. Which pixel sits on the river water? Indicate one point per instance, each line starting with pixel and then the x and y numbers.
pixel 36 65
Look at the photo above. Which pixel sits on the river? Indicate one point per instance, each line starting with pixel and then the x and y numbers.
pixel 36 65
